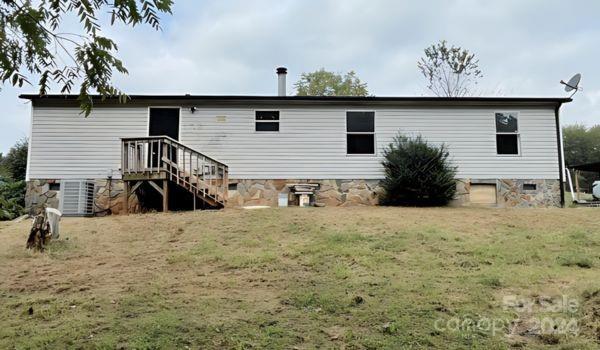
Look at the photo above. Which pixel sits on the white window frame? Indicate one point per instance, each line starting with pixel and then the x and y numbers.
pixel 518 133
pixel 278 121
pixel 361 133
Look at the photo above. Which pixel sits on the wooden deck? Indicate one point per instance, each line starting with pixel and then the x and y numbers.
pixel 160 158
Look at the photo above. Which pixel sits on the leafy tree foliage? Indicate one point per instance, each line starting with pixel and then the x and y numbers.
pixel 32 44
pixel 12 181
pixel 450 71
pixel 15 161
pixel 417 173
pixel 582 145
pixel 324 83
pixel 12 199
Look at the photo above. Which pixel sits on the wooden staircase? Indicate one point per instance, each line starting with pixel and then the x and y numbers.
pixel 148 159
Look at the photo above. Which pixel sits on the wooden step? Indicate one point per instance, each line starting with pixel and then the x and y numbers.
pixel 204 177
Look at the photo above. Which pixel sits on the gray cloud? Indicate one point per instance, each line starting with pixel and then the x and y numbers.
pixel 232 47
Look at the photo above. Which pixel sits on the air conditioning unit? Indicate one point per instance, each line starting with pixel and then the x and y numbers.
pixel 77 197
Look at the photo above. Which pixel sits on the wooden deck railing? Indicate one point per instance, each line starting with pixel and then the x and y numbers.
pixel 162 155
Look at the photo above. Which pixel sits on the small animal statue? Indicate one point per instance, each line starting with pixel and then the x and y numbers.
pixel 40 232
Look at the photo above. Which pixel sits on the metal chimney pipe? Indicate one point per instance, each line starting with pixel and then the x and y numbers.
pixel 281 73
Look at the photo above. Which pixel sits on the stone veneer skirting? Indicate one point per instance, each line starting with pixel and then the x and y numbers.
pixel 38 194
pixel 330 193
pixel 109 193
pixel 509 192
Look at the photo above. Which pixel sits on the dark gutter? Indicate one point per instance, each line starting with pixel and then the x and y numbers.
pixel 310 98
pixel 560 159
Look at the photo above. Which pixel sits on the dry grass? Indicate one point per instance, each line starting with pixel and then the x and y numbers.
pixel 353 278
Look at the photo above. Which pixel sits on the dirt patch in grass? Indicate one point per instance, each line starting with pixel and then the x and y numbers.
pixel 354 278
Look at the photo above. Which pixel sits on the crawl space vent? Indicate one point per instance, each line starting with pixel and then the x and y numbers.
pixel 77 198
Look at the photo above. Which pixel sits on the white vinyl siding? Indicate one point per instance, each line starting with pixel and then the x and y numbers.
pixel 310 144
pixel 66 145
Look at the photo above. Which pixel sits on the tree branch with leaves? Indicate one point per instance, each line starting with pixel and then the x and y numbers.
pixel 31 44
pixel 451 71
pixel 324 83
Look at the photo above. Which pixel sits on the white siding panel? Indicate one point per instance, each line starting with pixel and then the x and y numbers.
pixel 311 142
pixel 66 145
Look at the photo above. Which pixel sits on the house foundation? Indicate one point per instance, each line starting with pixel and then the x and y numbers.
pixel 511 193
pixel 109 198
pixel 507 193
pixel 40 193
pixel 330 193
pixel 108 194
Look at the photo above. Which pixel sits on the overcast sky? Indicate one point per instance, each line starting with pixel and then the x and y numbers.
pixel 233 47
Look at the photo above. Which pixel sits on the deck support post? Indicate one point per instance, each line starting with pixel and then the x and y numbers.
pixel 126 197
pixel 159 158
pixel 165 196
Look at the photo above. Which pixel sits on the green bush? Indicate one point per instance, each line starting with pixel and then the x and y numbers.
pixel 417 173
pixel 12 181
pixel 12 199
pixel 14 164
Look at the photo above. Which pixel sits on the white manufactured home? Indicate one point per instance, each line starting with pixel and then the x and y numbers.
pixel 164 151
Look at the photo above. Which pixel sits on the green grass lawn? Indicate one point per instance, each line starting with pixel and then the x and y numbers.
pixel 333 278
pixel 582 196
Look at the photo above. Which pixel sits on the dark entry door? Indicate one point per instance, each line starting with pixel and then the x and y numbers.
pixel 164 122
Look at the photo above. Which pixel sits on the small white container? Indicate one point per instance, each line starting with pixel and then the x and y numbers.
pixel 304 200
pixel 283 200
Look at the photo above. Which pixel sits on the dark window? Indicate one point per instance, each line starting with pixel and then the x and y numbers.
pixel 529 187
pixel 267 115
pixel 507 133
pixel 267 126
pixel 361 144
pixel 360 129
pixel 360 122
pixel 507 144
pixel 54 186
pixel 267 121
pixel 506 122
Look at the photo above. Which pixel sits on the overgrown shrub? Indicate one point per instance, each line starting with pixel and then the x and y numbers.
pixel 14 163
pixel 12 199
pixel 417 173
pixel 12 181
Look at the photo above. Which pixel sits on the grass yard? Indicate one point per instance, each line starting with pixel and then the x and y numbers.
pixel 332 278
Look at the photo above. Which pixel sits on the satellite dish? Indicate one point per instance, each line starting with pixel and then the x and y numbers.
pixel 572 84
